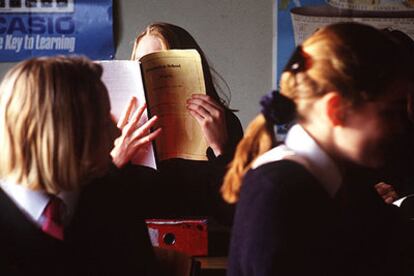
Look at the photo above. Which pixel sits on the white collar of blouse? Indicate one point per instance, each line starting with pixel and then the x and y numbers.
pixel 300 147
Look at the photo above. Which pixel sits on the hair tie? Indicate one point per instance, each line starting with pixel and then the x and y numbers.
pixel 277 108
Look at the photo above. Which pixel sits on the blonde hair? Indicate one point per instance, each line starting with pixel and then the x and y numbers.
pixel 175 37
pixel 357 61
pixel 54 117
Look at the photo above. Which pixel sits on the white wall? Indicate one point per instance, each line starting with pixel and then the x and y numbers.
pixel 236 36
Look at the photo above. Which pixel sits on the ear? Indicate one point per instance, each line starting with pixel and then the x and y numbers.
pixel 334 104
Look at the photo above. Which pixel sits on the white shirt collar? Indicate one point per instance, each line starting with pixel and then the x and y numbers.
pixel 32 203
pixel 302 148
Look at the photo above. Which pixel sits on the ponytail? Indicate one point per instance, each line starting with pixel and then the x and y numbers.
pixel 259 138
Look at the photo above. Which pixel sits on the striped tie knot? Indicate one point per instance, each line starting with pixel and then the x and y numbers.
pixel 53 217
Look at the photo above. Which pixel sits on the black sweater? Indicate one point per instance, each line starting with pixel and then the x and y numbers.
pixel 287 224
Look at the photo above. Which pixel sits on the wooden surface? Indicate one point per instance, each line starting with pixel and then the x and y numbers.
pixel 212 262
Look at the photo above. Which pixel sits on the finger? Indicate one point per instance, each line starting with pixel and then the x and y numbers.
pixel 123 120
pixel 133 124
pixel 393 194
pixel 382 184
pixel 389 200
pixel 382 188
pixel 197 116
pixel 213 110
pixel 199 109
pixel 207 100
pixel 390 193
pixel 138 113
pixel 147 138
pixel 144 129
pixel 387 190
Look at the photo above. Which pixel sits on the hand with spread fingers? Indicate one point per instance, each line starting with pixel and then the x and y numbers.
pixel 387 192
pixel 133 135
pixel 212 119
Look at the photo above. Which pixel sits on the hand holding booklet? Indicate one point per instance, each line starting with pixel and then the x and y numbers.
pixel 164 81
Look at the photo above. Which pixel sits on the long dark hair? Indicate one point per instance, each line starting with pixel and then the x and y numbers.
pixel 175 37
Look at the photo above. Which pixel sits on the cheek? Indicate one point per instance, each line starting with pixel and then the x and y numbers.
pixel 380 142
pixel 366 145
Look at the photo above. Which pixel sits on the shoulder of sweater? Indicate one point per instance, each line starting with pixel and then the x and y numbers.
pixel 279 175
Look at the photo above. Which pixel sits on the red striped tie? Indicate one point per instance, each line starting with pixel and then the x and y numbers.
pixel 52 214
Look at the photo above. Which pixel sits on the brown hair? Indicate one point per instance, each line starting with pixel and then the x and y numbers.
pixel 357 61
pixel 175 37
pixel 54 118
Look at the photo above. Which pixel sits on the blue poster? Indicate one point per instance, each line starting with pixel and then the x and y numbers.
pixel 298 19
pixel 55 27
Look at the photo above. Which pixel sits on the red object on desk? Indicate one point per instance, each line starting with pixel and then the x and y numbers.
pixel 189 236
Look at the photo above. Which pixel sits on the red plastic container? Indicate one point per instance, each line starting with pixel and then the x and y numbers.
pixel 189 236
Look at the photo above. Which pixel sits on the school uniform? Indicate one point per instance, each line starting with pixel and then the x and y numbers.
pixel 292 218
pixel 102 237
pixel 191 188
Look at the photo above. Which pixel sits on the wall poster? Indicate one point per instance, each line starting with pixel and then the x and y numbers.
pixel 297 19
pixel 51 27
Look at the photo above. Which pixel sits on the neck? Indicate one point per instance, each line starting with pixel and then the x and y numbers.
pixel 324 137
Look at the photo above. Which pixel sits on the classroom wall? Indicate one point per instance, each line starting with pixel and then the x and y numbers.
pixel 236 36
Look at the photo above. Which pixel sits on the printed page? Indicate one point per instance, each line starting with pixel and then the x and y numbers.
pixel 123 81
pixel 307 19
pixel 373 5
pixel 171 77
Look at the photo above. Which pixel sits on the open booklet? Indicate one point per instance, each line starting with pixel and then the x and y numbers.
pixel 164 80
